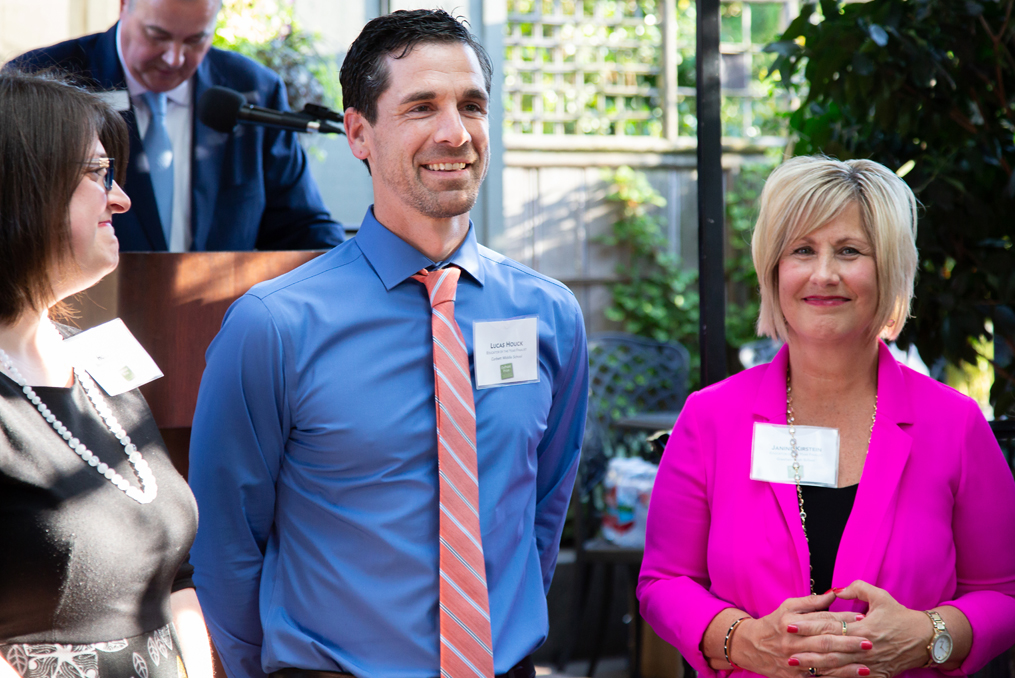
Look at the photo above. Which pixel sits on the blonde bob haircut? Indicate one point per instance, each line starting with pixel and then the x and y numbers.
pixel 805 193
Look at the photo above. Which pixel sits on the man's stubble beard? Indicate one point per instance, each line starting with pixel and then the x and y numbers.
pixel 428 202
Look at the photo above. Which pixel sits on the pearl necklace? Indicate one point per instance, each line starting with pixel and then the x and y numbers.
pixel 791 422
pixel 143 495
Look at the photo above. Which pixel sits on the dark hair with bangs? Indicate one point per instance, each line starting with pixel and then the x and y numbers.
pixel 47 126
pixel 364 74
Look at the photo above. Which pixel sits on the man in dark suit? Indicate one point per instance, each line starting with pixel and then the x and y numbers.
pixel 193 188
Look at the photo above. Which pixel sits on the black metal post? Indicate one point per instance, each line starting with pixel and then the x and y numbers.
pixel 711 217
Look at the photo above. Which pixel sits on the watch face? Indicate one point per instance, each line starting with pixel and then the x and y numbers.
pixel 942 649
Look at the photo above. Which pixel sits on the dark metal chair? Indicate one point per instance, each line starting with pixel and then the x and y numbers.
pixel 628 376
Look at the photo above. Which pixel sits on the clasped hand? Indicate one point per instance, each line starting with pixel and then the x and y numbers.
pixel 803 634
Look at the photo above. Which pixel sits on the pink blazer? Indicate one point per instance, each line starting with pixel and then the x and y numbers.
pixel 933 522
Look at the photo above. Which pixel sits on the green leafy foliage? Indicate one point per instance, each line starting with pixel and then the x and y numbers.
pixel 926 88
pixel 267 31
pixel 743 298
pixel 655 296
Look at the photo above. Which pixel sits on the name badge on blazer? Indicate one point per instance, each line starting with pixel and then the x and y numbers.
pixel 817 453
pixel 113 357
pixel 506 352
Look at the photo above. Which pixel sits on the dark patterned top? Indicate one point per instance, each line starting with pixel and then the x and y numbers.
pixel 80 562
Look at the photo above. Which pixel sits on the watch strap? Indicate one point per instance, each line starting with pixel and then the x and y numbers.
pixel 939 629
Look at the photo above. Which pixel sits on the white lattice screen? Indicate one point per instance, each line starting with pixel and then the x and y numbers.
pixel 626 67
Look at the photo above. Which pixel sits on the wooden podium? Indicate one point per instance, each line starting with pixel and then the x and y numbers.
pixel 174 303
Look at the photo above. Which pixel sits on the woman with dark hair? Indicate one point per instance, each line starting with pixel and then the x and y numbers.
pixel 96 522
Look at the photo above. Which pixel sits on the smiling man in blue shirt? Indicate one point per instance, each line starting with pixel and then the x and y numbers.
pixel 315 447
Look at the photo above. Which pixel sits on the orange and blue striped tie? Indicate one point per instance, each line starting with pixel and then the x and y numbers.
pixel 466 647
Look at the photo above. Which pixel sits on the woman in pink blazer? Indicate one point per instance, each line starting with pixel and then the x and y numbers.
pixel 916 544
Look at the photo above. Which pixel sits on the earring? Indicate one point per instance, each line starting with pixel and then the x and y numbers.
pixel 891 323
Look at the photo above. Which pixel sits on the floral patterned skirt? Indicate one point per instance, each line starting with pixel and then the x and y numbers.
pixel 155 654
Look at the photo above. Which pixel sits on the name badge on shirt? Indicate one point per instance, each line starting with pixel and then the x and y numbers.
pixel 817 452
pixel 506 351
pixel 114 358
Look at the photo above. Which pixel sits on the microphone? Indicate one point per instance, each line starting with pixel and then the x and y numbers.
pixel 222 108
pixel 318 112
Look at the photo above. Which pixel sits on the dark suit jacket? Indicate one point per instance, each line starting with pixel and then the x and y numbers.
pixel 250 189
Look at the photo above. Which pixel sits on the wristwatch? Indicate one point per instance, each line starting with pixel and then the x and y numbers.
pixel 940 647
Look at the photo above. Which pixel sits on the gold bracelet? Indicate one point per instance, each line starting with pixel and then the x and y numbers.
pixel 726 642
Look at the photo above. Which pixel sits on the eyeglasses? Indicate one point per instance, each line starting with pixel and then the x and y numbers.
pixel 102 171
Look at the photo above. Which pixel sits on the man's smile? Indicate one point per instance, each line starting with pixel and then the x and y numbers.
pixel 446 166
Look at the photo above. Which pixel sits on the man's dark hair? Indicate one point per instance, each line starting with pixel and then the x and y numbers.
pixel 47 130
pixel 364 74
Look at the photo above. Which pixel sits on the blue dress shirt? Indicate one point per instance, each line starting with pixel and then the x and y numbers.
pixel 314 462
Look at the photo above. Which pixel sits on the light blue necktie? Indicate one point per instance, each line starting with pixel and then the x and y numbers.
pixel 159 150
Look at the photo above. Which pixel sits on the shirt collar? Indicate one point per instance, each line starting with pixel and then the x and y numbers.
pixel 395 260
pixel 178 95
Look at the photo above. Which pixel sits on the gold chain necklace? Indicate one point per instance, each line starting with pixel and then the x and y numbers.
pixel 791 422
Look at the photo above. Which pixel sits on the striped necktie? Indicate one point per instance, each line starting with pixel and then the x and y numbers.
pixel 159 149
pixel 466 648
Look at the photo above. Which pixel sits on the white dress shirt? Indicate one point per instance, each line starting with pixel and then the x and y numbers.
pixel 179 114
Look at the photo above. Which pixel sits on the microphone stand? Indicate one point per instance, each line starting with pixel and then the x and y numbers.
pixel 323 113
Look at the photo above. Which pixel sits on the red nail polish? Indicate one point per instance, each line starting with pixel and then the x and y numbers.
pixel 839 590
pixel 793 661
pixel 859 617
pixel 863 671
pixel 866 645
pixel 792 628
pixel 827 592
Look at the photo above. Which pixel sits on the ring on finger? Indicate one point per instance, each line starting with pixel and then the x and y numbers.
pixel 843 627
pixel 812 671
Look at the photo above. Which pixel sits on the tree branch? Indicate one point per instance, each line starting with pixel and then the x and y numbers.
pixel 953 113
pixel 995 41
